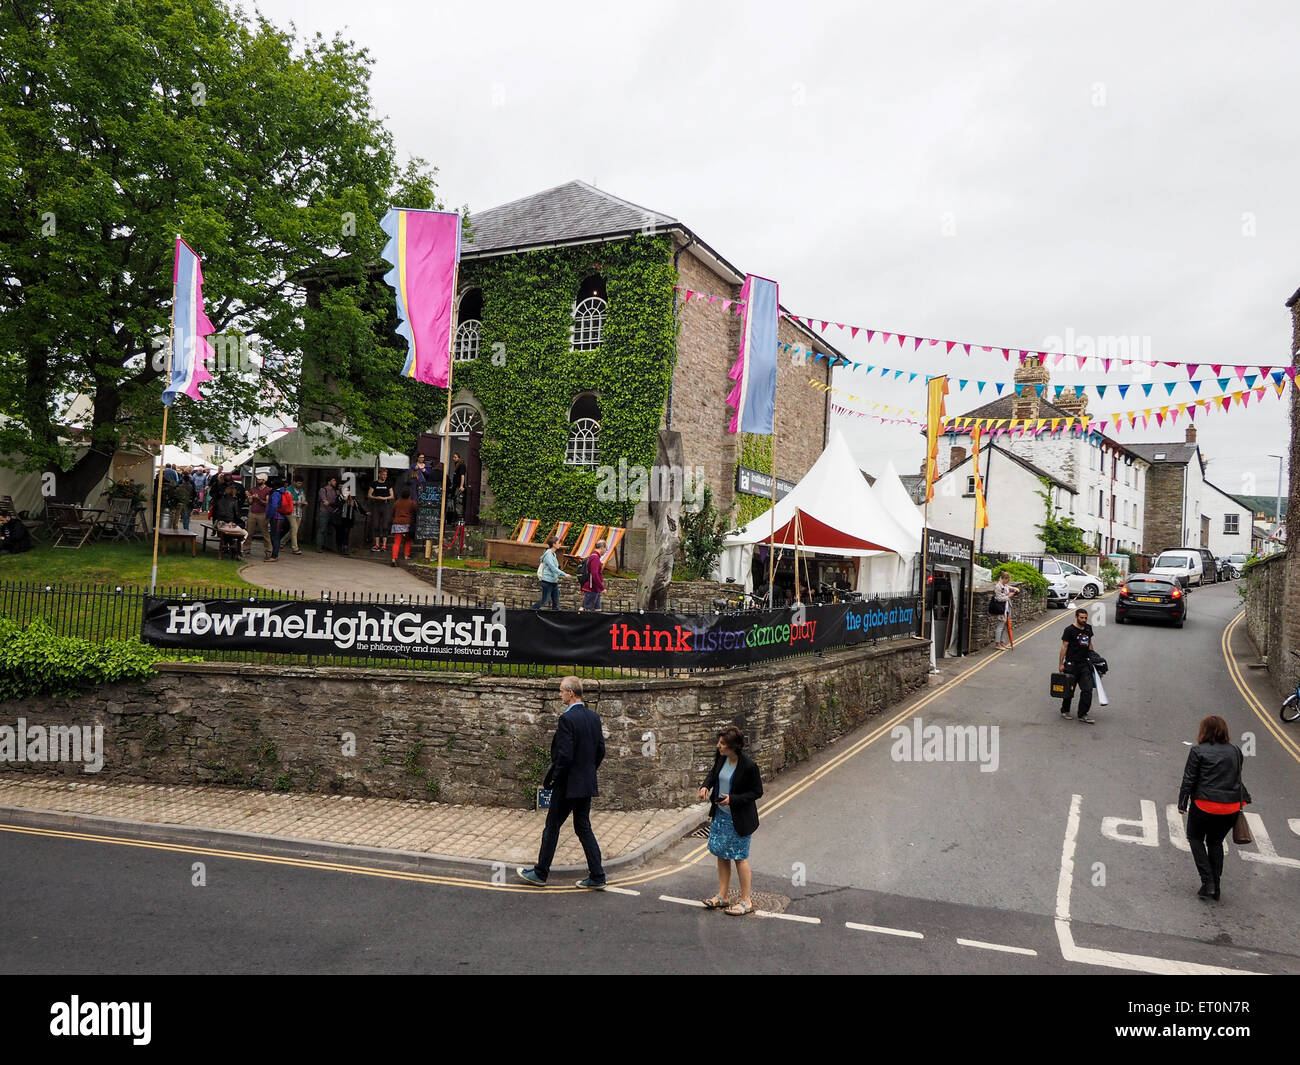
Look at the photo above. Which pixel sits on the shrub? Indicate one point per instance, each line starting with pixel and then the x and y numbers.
pixel 1023 573
pixel 702 536
pixel 38 661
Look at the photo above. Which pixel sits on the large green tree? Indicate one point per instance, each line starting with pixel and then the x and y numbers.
pixel 124 123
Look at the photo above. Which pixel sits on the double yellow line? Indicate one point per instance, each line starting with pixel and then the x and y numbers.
pixel 1269 718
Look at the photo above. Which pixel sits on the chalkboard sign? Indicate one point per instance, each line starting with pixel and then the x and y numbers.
pixel 429 500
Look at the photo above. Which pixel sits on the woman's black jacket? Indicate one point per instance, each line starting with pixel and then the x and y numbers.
pixel 746 790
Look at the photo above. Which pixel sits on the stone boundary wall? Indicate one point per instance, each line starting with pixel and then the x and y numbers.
pixel 462 738
pixel 1265 584
pixel 1024 607
pixel 510 586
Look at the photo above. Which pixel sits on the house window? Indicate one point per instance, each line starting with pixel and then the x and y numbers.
pixel 970 485
pixel 1230 524
pixel 1101 504
pixel 583 448
pixel 588 315
pixel 218 452
pixel 469 316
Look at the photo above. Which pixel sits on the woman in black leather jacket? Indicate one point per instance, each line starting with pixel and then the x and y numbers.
pixel 1212 782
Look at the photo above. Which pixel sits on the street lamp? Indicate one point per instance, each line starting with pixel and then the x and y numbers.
pixel 1277 514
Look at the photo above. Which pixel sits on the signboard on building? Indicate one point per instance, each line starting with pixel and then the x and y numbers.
pixel 757 483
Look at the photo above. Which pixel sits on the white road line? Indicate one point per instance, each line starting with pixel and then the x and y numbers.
pixel 788 917
pixel 997 946
pixel 682 902
pixel 884 931
pixel 621 890
pixel 1108 958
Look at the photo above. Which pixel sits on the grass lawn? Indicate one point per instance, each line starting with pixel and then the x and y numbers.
pixel 124 564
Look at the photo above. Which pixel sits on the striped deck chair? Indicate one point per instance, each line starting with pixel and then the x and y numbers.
pixel 586 541
pixel 614 538
pixel 525 530
pixel 561 533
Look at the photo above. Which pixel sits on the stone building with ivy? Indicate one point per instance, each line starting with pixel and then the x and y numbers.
pixel 574 346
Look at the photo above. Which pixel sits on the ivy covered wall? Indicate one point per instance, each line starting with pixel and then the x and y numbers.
pixel 526 378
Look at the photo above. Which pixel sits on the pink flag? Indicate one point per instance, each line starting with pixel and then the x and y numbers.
pixel 190 327
pixel 424 248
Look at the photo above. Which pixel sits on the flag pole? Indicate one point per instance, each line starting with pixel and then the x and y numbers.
pixel 162 450
pixel 771 540
pixel 446 435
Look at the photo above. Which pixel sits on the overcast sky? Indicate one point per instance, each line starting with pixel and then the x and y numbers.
pixel 1002 173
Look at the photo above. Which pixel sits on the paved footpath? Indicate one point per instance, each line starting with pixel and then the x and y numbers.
pixel 479 833
pixel 314 572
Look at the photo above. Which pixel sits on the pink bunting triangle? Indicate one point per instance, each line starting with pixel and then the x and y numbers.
pixel 1291 371
pixel 1105 365
pixel 1217 367
pixel 900 337
pixel 689 294
pixel 726 305
pixel 885 337
pixel 967 347
pixel 853 332
pixel 824 325
pixel 1241 372
pixel 1192 367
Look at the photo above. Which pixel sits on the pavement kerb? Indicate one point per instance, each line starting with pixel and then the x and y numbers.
pixel 287 846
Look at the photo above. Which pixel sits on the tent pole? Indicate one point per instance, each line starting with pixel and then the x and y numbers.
pixel 446 436
pixel 798 535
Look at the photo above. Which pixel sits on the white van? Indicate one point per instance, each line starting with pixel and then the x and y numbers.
pixel 1185 565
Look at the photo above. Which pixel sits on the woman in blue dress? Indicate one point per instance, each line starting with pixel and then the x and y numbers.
pixel 734 788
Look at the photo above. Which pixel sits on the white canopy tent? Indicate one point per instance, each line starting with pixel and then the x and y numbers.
pixel 893 574
pixel 832 511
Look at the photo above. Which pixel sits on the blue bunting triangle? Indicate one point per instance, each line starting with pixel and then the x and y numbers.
pixel 961 384
pixel 1277 376
pixel 1059 390
pixel 1038 389
pixel 898 374
pixel 1078 390
pixel 1169 387
pixel 910 378
pixel 1251 378
pixel 1101 391
pixel 1123 390
pixel 1196 385
pixel 979 387
pixel 1224 382
pixel 1000 386
pixel 1146 389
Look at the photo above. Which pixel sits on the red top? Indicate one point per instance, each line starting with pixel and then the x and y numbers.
pixel 1205 806
pixel 596 579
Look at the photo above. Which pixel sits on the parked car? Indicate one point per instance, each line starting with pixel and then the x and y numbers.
pixel 1184 564
pixel 1147 595
pixel 1058 589
pixel 1209 566
pixel 1081 582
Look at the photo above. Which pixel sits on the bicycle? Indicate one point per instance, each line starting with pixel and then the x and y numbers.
pixel 1291 704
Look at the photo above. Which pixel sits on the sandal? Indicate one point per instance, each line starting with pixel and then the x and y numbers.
pixel 715 903
pixel 740 909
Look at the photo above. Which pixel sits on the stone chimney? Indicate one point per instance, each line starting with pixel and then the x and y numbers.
pixel 956 456
pixel 1028 374
pixel 1191 434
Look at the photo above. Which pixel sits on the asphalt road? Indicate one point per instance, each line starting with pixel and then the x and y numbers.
pixel 874 863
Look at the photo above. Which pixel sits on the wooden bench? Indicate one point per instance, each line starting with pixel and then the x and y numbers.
pixel 180 536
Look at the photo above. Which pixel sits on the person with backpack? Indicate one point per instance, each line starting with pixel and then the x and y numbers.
pixel 278 509
pixel 593 578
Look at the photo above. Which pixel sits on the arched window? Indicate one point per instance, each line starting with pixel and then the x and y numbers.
pixel 588 315
pixel 583 448
pixel 469 317
pixel 465 419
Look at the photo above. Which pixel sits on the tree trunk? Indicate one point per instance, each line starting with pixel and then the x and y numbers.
pixel 665 517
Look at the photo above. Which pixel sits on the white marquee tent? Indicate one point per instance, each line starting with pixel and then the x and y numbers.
pixel 832 510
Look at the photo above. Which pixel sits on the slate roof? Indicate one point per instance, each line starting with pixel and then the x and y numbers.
pixel 572 213
pixel 1178 453
pixel 1037 471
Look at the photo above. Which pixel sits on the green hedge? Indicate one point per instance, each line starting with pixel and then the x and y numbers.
pixel 1023 573
pixel 38 661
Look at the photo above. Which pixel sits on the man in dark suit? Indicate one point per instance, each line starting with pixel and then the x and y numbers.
pixel 577 750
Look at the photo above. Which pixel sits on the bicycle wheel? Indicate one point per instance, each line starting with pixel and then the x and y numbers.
pixel 1290 707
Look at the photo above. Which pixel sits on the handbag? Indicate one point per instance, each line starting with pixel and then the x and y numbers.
pixel 1241 830
pixel 541 571
pixel 1062 685
pixel 996 607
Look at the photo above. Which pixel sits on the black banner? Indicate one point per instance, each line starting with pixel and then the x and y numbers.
pixel 495 634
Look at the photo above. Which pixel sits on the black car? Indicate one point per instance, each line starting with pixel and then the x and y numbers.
pixel 1146 595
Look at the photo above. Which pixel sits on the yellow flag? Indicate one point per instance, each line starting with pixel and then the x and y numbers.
pixel 934 415
pixel 981 511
